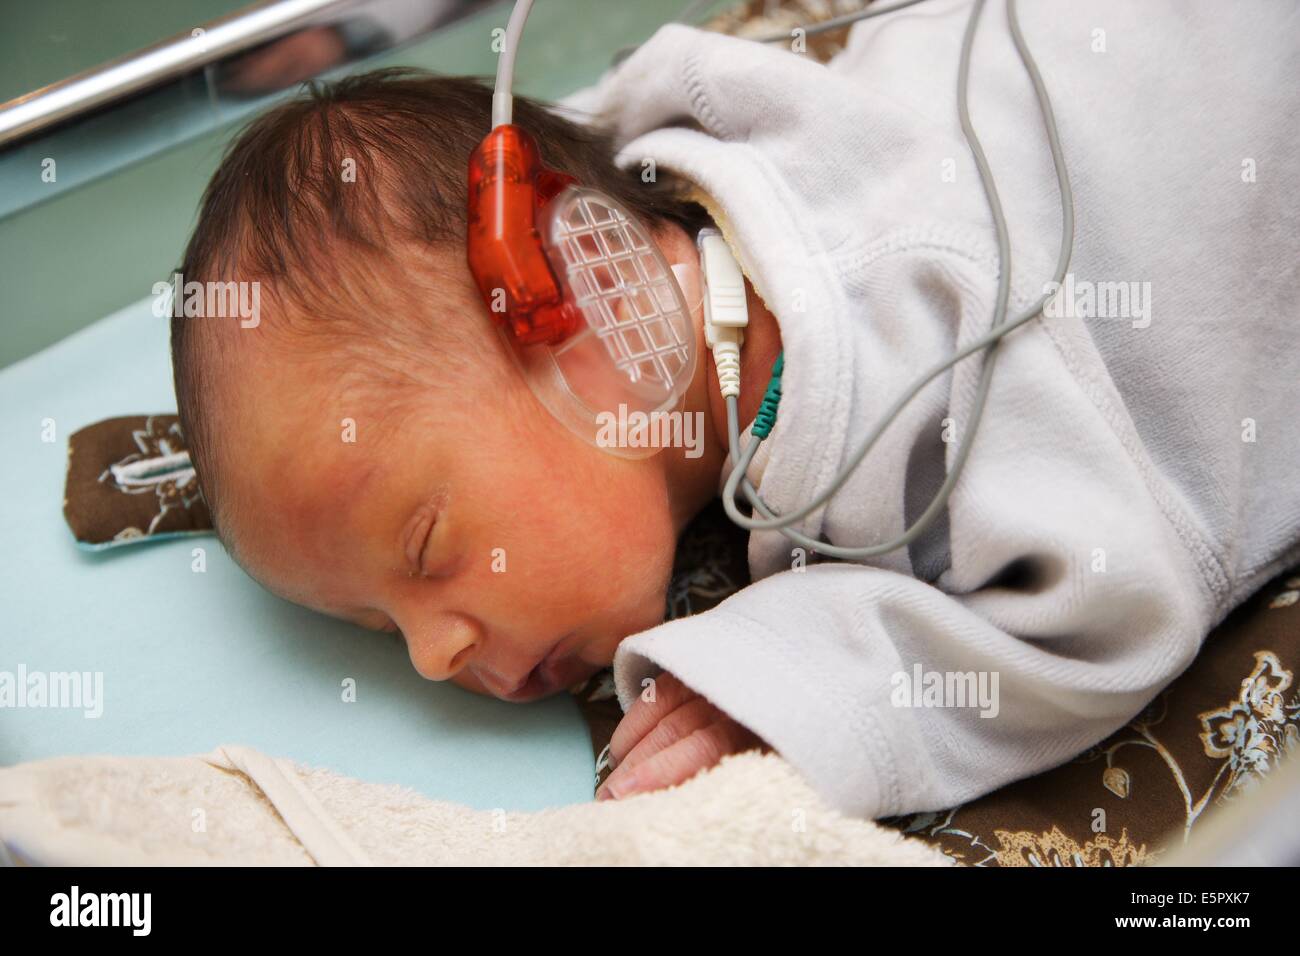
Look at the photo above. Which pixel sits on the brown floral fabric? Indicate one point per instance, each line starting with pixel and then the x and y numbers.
pixel 1207 740
pixel 763 18
pixel 129 479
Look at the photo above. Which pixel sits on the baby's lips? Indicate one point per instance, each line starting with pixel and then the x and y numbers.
pixel 566 672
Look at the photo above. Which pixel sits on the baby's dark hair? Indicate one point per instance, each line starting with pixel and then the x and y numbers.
pixel 320 196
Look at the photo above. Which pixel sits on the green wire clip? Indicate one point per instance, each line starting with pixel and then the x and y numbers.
pixel 766 416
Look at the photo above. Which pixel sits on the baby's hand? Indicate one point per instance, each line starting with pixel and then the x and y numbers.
pixel 669 740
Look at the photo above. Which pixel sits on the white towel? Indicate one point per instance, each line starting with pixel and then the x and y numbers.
pixel 238 806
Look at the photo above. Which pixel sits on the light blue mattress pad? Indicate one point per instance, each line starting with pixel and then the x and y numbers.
pixel 191 660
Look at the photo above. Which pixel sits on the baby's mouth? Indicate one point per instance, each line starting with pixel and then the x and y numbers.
pixel 554 672
pixel 533 687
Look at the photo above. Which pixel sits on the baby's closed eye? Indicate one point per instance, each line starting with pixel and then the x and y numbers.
pixel 416 536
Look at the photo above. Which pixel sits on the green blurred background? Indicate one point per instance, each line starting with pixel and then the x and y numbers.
pixel 128 186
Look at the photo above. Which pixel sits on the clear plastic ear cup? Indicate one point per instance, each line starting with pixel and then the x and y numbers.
pixel 635 350
pixel 690 281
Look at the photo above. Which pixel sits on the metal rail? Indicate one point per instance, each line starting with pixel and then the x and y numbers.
pixel 157 64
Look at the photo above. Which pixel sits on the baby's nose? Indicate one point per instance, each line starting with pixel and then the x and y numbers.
pixel 441 646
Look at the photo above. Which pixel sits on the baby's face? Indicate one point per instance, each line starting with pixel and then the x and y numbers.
pixel 511 556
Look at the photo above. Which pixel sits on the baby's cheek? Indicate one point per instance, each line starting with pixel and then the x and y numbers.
pixel 638 512
pixel 646 560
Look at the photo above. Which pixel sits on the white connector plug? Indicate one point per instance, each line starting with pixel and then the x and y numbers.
pixel 726 313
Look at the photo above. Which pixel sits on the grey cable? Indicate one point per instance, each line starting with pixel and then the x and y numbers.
pixel 694 7
pixel 834 23
pixel 989 341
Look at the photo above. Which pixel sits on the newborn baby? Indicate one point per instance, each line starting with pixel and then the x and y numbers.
pixel 370 450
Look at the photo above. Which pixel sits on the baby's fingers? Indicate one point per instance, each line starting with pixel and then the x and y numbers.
pixel 678 763
pixel 643 716
pixel 678 725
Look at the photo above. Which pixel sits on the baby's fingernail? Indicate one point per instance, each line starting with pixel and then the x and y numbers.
pixel 618 789
pixel 604 794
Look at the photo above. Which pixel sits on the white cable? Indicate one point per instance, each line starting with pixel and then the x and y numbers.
pixel 502 99
pixel 726 311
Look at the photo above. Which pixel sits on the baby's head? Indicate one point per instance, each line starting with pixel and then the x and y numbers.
pixel 367 446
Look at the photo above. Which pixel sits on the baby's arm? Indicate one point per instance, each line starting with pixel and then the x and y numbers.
pixel 823 664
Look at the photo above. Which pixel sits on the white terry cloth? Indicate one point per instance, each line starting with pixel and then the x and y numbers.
pixel 237 806
pixel 1113 508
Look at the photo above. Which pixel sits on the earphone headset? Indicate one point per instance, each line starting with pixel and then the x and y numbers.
pixel 589 306
pixel 594 315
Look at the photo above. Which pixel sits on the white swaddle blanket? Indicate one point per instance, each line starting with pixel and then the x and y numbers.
pixel 238 806
pixel 1134 475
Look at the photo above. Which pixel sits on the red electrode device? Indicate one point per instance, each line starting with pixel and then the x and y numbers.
pixel 576 285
